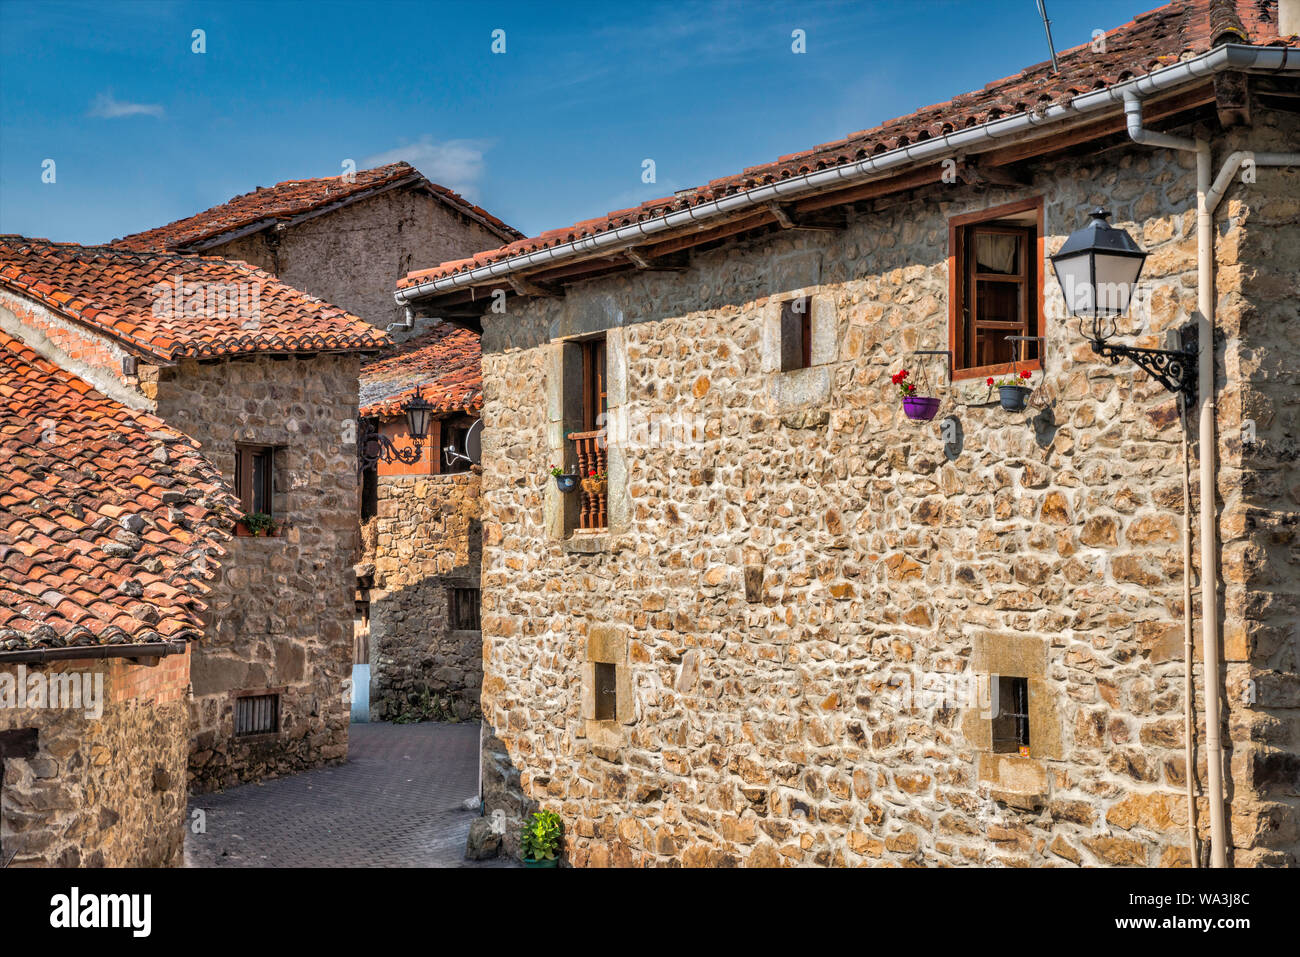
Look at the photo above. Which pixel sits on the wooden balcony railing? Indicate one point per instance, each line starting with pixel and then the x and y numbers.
pixel 590 450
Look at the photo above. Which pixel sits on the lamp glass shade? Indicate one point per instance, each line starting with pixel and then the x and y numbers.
pixel 1114 281
pixel 417 418
pixel 1074 273
pixel 1098 268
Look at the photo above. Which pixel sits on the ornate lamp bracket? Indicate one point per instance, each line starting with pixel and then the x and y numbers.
pixel 1175 369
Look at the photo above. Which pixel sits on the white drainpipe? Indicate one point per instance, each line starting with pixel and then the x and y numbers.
pixel 1208 197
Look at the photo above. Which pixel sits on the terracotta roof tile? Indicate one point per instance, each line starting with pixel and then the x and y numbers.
pixel 444 361
pixel 275 204
pixel 131 296
pixel 1152 40
pixel 87 555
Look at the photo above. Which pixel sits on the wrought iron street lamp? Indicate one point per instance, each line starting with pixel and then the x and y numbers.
pixel 374 447
pixel 1098 269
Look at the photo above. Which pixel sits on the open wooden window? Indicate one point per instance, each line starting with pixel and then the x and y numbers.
pixel 995 288
pixel 595 389
pixel 255 478
pixel 796 334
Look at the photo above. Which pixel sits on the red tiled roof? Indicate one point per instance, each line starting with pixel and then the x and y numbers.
pixel 293 198
pixel 125 294
pixel 1152 40
pixel 444 361
pixel 109 519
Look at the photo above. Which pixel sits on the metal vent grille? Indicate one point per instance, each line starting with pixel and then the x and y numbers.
pixel 257 714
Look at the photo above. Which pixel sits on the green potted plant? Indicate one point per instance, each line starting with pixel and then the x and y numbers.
pixel 257 525
pixel 1012 391
pixel 540 840
pixel 566 482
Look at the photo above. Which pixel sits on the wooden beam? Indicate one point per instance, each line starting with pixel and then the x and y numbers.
pixel 1232 98
pixel 524 286
pixel 742 225
pixel 646 264
pixel 982 176
pixel 786 220
pixel 930 176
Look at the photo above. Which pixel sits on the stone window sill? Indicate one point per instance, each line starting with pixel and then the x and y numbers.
pixel 586 543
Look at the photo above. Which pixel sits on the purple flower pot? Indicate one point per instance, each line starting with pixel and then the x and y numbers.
pixel 920 408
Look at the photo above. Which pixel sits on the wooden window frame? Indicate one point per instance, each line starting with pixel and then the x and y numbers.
pixel 595 384
pixel 244 455
pixel 961 286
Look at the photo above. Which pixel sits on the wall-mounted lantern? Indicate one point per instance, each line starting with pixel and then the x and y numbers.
pixel 374 447
pixel 1098 269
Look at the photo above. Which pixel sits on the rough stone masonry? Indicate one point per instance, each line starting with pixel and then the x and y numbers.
pixel 768 591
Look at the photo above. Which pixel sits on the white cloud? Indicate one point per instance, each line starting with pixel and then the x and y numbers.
pixel 456 164
pixel 108 107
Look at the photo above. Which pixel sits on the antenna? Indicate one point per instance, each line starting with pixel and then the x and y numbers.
pixel 1047 26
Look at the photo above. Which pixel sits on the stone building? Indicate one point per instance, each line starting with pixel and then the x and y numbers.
pixel 344 239
pixel 264 379
pixel 800 628
pixel 110 524
pixel 418 580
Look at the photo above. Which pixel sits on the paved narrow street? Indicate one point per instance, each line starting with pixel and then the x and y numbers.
pixel 398 802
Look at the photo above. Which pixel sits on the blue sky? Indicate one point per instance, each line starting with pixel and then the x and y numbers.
pixel 143 131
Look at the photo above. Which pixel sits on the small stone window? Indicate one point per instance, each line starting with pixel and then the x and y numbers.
pixel 464 608
pixel 607 701
pixel 255 478
pixel 606 691
pixel 257 714
pixel 796 333
pixel 1010 707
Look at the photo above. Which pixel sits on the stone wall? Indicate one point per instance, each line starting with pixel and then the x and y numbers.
pixel 1259 484
pixel 280 617
pixel 100 792
pixel 427 540
pixel 353 256
pixel 777 590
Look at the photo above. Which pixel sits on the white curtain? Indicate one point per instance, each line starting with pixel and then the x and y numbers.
pixel 996 253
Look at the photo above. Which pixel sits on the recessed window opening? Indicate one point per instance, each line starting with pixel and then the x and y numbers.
pixel 254 478
pixel 606 691
pixel 1011 713
pixel 257 714
pixel 796 333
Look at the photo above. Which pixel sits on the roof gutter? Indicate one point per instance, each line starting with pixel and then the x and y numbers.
pixel 153 649
pixel 1238 57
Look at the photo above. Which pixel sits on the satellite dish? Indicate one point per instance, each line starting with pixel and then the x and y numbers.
pixel 473 446
pixel 474 442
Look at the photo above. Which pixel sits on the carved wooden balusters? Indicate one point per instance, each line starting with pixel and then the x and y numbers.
pixel 590 449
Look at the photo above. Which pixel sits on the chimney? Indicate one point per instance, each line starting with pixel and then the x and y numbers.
pixel 1288 17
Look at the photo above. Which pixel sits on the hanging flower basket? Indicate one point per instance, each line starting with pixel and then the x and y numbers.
pixel 918 408
pixel 595 485
pixel 566 482
pixel 1012 392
